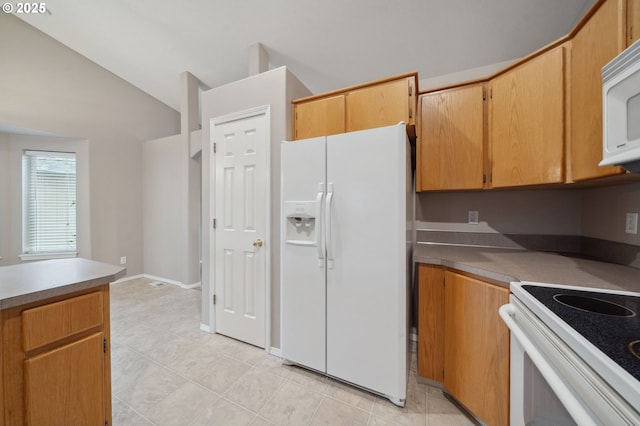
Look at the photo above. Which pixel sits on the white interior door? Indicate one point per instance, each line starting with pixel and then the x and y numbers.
pixel 241 203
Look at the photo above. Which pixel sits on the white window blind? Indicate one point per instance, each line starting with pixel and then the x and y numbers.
pixel 49 202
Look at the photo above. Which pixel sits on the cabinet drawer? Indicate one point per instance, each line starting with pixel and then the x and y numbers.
pixel 49 323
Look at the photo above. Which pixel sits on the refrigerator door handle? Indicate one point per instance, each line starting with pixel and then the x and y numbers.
pixel 319 225
pixel 327 219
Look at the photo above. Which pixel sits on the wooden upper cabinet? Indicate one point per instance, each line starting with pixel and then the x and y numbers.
pixel 593 46
pixel 527 122
pixel 380 105
pixel 450 146
pixel 376 104
pixel 633 21
pixel 321 117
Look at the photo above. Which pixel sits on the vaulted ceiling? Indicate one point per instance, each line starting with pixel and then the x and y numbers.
pixel 328 44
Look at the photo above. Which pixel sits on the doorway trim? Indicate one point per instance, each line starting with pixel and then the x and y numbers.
pixel 217 121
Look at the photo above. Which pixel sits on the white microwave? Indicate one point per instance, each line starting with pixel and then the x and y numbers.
pixel 621 110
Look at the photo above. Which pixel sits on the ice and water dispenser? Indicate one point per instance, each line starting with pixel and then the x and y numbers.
pixel 301 222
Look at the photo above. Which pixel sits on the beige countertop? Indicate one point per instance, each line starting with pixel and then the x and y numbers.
pixel 505 265
pixel 31 282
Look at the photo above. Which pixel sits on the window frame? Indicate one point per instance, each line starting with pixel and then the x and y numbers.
pixel 28 253
pixel 18 143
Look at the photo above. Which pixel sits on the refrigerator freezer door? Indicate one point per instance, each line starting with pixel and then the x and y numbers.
pixel 366 287
pixel 302 266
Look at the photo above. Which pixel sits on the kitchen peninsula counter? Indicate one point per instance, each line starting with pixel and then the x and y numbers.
pixel 31 282
pixel 55 358
pixel 501 266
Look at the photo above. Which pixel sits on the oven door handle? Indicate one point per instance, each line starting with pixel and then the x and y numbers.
pixel 580 415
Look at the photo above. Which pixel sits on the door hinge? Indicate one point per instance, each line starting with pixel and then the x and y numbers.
pixel 215 147
pixel 410 112
pixel 484 95
pixel 104 345
pixel 410 90
pixel 214 299
pixel 213 223
pixel 484 178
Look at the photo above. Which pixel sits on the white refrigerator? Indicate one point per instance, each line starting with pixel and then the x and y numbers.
pixel 347 216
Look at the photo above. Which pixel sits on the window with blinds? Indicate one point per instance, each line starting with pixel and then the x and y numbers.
pixel 49 202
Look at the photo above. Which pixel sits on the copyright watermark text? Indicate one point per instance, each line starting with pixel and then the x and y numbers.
pixel 32 8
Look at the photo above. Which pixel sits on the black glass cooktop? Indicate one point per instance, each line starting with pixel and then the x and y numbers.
pixel 611 322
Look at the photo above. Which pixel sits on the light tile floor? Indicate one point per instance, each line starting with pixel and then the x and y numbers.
pixel 165 371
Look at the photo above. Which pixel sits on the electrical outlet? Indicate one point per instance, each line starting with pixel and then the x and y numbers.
pixel 473 217
pixel 123 260
pixel 631 226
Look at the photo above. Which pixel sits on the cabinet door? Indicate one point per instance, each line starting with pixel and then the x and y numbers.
pixel 321 117
pixel 431 322
pixel 633 21
pixel 379 105
pixel 527 122
pixel 451 139
pixel 476 352
pixel 66 386
pixel 599 41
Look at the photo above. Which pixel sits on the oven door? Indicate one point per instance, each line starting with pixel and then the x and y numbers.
pixel 550 384
pixel 533 400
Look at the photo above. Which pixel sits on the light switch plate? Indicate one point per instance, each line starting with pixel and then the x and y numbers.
pixel 473 217
pixel 631 226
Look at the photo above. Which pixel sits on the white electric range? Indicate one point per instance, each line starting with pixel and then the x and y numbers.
pixel 575 355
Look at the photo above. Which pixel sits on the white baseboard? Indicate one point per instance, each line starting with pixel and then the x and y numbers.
pixel 156 278
pixel 204 327
pixel 413 334
pixel 275 352
pixel 128 278
pixel 191 286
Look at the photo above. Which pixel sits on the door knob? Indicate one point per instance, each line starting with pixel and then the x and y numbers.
pixel 258 243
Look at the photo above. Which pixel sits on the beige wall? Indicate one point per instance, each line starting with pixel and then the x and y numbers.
pixel 591 212
pixel 161 192
pixel 275 88
pixel 549 212
pixel 48 87
pixel 604 212
pixel 163 210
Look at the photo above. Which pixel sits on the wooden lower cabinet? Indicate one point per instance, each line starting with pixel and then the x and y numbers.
pixel 463 343
pixel 56 361
pixel 431 323
pixel 66 385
